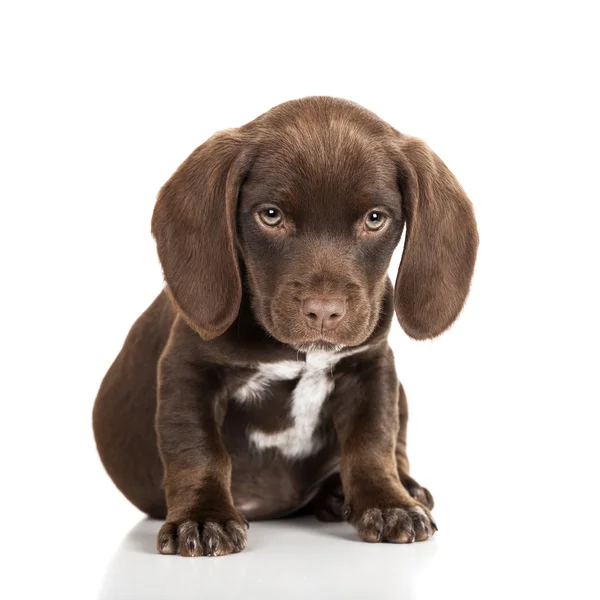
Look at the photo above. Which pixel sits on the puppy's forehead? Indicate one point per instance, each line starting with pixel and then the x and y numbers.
pixel 321 159
pixel 323 112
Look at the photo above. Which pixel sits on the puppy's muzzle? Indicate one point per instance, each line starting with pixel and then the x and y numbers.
pixel 324 314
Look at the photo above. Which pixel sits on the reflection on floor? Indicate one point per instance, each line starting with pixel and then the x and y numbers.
pixel 298 558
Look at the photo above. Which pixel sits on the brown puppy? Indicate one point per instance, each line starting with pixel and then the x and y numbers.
pixel 260 381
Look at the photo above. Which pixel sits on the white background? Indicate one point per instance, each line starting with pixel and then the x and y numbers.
pixel 100 102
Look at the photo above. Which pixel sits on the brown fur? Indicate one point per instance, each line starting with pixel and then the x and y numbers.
pixel 167 429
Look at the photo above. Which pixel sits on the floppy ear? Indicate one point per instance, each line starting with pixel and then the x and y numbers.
pixel 194 227
pixel 441 242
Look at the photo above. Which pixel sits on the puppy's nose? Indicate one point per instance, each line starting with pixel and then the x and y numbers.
pixel 324 314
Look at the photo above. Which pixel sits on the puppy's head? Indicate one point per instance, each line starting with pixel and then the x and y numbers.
pixel 304 207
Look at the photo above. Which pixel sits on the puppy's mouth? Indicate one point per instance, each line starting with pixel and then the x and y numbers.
pixel 303 339
pixel 319 345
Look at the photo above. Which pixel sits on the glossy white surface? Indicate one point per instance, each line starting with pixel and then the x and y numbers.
pixel 285 559
pixel 302 558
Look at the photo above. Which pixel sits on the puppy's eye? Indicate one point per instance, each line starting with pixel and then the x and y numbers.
pixel 375 220
pixel 271 216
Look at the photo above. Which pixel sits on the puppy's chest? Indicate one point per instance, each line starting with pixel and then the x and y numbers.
pixel 281 405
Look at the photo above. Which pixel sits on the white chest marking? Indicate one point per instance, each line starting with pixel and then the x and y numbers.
pixel 314 386
pixel 255 387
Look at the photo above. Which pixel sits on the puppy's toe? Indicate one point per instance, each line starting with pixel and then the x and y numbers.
pixel 166 542
pixel 220 539
pixel 189 539
pixel 399 528
pixel 370 525
pixel 423 524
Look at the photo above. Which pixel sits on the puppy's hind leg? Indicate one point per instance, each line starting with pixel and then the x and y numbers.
pixel 327 504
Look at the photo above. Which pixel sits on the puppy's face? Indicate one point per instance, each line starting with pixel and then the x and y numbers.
pixel 301 210
pixel 319 215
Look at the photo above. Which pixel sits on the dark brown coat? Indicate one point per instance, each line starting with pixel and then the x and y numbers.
pixel 260 382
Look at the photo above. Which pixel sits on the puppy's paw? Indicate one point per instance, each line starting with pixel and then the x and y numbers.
pixel 399 525
pixel 418 492
pixel 202 538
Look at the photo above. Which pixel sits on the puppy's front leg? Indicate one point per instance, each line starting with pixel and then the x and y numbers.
pixel 366 418
pixel 201 519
